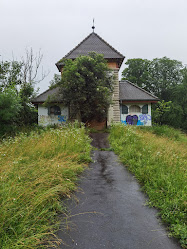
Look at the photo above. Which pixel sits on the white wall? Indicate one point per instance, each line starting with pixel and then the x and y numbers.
pixel 143 119
pixel 44 119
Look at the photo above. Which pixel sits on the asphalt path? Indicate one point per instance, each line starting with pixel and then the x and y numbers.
pixel 109 210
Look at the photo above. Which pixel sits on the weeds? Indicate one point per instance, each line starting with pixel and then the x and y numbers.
pixel 159 164
pixel 166 131
pixel 36 171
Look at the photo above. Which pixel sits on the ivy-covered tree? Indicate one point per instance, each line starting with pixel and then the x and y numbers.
pixel 86 87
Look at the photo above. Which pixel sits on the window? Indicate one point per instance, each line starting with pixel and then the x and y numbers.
pixel 55 110
pixel 124 109
pixel 134 108
pixel 145 109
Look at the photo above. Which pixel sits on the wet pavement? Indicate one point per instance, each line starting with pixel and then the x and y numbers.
pixel 109 211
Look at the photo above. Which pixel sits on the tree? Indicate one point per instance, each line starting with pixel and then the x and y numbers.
pixel 86 87
pixel 10 75
pixel 179 97
pixel 9 109
pixel 164 74
pixel 17 82
pixel 160 112
pixel 137 72
pixel 55 81
pixel 158 76
pixel 30 68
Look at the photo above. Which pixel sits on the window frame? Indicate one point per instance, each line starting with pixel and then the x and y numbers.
pixel 145 109
pixel 57 110
pixel 126 108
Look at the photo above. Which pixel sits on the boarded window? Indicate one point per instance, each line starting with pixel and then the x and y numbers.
pixel 134 108
pixel 124 109
pixel 145 109
pixel 55 110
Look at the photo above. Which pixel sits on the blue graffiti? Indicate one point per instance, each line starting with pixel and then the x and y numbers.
pixel 123 122
pixel 144 118
pixel 140 123
pixel 61 118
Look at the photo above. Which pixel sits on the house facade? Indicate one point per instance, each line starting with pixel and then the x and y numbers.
pixel 130 104
pixel 135 104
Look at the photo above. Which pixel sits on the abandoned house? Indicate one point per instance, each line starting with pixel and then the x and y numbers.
pixel 131 104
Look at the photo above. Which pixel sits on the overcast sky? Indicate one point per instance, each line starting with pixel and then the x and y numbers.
pixel 136 28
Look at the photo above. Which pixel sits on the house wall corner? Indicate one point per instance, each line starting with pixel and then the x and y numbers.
pixel 114 109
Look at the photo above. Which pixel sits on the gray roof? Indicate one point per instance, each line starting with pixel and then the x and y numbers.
pixel 54 95
pixel 129 92
pixel 93 43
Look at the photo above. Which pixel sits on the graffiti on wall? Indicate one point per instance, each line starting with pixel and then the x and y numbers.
pixel 132 120
pixel 144 118
pixel 135 120
pixel 62 118
pixel 52 119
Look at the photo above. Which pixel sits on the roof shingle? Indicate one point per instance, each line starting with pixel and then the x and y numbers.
pixel 93 43
pixel 54 95
pixel 129 91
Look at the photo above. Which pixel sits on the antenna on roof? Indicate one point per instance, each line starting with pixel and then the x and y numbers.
pixel 93 27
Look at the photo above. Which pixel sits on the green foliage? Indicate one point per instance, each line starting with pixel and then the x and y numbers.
pixel 28 114
pixel 160 168
pixel 37 170
pixel 161 110
pixel 179 96
pixel 17 79
pixel 9 109
pixel 156 76
pixel 10 74
pixel 164 74
pixel 137 72
pixel 87 86
pixel 55 81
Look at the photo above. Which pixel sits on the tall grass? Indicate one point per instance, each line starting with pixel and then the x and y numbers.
pixel 36 171
pixel 166 131
pixel 159 164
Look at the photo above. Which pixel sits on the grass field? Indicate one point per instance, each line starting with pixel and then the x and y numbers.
pixel 36 172
pixel 157 156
